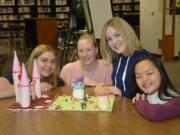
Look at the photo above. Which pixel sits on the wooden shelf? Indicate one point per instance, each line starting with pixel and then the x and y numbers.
pixel 17 10
pixel 42 31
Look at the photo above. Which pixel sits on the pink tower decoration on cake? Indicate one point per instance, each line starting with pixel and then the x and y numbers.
pixel 36 79
pixel 16 70
pixel 24 88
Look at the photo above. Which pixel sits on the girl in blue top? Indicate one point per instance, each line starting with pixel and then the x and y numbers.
pixel 120 45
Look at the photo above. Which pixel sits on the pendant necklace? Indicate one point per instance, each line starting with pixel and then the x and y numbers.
pixel 89 74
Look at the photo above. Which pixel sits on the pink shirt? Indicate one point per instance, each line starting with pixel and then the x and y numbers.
pixel 73 70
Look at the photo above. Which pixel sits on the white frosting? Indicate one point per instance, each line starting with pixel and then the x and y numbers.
pixel 78 93
pixel 103 102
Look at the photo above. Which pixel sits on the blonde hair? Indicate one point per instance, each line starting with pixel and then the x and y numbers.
pixel 90 37
pixel 128 34
pixel 39 50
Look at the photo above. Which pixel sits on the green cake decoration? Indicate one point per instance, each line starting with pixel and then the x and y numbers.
pixel 88 103
pixel 78 88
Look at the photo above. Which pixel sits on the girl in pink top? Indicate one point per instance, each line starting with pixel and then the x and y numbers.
pixel 92 69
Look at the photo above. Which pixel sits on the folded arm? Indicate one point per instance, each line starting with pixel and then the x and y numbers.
pixel 159 112
pixel 6 88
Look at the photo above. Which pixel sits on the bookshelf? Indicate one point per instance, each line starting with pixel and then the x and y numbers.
pixel 177 6
pixel 23 10
pixel 13 14
pixel 62 11
pixel 7 12
pixel 43 8
pixel 129 10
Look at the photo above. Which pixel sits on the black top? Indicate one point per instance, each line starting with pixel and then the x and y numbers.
pixel 8 76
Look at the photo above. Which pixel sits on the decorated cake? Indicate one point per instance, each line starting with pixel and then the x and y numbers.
pixel 42 103
pixel 64 103
pixel 102 101
pixel 26 90
pixel 78 88
pixel 88 103
pixel 102 92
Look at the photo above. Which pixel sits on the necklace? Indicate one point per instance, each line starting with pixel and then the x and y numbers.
pixel 89 71
pixel 88 74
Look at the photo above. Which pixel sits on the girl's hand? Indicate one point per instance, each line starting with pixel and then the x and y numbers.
pixel 115 91
pixel 138 97
pixel 45 87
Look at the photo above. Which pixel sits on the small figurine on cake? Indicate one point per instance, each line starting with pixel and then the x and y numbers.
pixel 78 88
pixel 102 92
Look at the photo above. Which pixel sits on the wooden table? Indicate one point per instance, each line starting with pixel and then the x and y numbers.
pixel 123 120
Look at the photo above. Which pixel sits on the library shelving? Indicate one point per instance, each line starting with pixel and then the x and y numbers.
pixel 17 10
pixel 129 10
pixel 7 12
pixel 23 10
pixel 62 11
pixel 13 13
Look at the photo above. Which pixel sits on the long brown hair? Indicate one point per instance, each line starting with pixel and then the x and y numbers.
pixel 39 50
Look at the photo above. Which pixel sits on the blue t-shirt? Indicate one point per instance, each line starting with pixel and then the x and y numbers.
pixel 122 74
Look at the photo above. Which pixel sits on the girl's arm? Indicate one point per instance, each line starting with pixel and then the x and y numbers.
pixel 159 112
pixel 108 74
pixel 6 88
pixel 115 90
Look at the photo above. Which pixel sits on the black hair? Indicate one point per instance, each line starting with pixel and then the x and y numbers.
pixel 165 81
